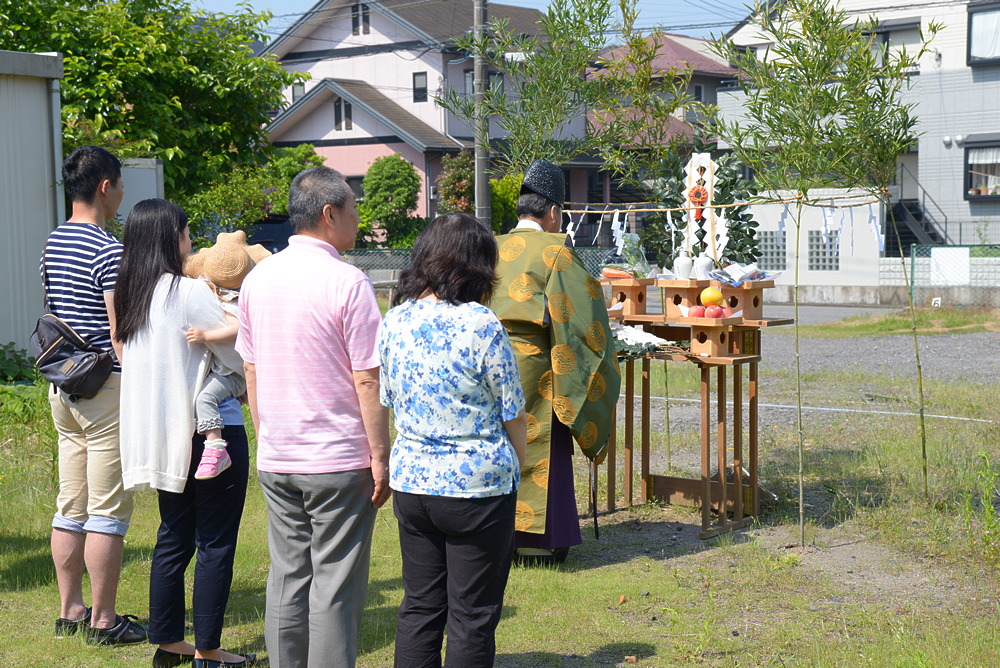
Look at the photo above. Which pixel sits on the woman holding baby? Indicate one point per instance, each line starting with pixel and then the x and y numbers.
pixel 162 449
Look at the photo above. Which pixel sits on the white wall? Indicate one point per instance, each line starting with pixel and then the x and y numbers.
pixel 30 192
pixel 143 179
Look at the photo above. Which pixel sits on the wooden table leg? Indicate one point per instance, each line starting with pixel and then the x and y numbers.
pixel 646 491
pixel 752 468
pixel 612 465
pixel 721 412
pixel 738 442
pixel 706 482
pixel 629 418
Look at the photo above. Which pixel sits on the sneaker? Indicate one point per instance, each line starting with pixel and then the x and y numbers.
pixel 125 632
pixel 213 462
pixel 67 627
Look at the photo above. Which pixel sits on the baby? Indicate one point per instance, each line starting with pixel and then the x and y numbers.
pixel 223 266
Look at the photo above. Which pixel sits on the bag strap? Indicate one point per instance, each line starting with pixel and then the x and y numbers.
pixel 45 278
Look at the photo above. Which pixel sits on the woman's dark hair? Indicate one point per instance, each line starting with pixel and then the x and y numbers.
pixel 151 243
pixel 455 257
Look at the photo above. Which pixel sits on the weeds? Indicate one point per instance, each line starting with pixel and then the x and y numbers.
pixel 982 523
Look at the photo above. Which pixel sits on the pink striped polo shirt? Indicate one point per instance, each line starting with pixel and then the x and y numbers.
pixel 307 321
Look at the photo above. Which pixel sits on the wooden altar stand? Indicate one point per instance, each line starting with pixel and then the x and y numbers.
pixel 718 344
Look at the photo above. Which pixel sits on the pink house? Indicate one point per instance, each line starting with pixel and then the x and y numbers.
pixel 375 69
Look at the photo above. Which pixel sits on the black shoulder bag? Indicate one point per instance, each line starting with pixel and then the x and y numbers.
pixel 66 359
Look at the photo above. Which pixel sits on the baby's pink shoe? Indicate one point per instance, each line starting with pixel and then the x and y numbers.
pixel 214 460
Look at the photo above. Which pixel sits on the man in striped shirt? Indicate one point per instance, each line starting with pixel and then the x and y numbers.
pixel 79 266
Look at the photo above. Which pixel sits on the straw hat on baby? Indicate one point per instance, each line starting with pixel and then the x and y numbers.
pixel 226 263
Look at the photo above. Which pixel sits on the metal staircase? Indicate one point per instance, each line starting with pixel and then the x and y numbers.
pixel 918 220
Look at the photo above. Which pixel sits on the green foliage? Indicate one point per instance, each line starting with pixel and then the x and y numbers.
pixel 545 86
pixel 284 164
pixel 158 77
pixel 24 404
pixel 392 188
pixel 552 81
pixel 632 121
pixel 730 187
pixel 457 184
pixel 235 203
pixel 248 194
pixel 16 364
pixel 982 522
pixel 503 203
pixel 822 105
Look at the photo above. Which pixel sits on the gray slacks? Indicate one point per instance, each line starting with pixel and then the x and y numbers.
pixel 319 531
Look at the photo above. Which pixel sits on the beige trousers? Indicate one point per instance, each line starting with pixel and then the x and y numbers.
pixel 92 497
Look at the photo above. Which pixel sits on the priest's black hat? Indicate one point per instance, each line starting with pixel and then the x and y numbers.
pixel 545 179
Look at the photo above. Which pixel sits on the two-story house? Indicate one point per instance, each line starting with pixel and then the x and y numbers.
pixel 947 188
pixel 375 69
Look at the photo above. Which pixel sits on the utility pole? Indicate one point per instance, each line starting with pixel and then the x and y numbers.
pixel 482 122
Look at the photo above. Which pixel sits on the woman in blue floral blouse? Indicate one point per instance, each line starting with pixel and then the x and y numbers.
pixel 449 374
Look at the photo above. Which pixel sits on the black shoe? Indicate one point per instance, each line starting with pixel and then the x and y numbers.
pixel 248 660
pixel 164 659
pixel 67 627
pixel 125 632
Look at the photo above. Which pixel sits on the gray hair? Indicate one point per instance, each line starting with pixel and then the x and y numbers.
pixel 312 190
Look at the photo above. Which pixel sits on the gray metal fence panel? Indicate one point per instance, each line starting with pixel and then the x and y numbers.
pixel 955 276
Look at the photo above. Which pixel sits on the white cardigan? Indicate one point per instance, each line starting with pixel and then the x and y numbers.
pixel 161 377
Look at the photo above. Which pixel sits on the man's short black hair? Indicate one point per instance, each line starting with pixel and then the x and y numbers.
pixel 533 205
pixel 85 168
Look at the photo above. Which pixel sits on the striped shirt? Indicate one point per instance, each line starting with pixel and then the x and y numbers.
pixel 81 260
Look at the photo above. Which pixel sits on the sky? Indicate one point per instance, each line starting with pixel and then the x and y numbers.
pixel 696 18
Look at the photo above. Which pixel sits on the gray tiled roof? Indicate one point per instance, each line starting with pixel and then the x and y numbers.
pixel 444 19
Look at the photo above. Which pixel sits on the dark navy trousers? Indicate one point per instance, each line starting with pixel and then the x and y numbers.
pixel 204 517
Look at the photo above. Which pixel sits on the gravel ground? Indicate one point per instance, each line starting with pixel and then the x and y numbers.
pixel 967 357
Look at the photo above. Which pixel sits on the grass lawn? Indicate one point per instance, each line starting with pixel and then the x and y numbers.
pixel 887 578
pixel 930 321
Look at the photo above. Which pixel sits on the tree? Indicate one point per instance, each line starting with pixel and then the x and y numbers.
pixel 503 203
pixel 457 184
pixel 160 77
pixel 392 188
pixel 562 73
pixel 248 194
pixel 283 165
pixel 822 109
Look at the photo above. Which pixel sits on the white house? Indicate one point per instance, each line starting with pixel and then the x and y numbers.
pixel 947 190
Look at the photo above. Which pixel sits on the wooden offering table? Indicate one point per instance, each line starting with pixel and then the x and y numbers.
pixel 717 344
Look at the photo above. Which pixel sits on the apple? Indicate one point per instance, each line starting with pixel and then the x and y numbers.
pixel 696 312
pixel 711 296
pixel 713 311
pixel 726 311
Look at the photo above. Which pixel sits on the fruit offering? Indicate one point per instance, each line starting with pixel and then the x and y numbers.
pixel 696 312
pixel 713 311
pixel 710 296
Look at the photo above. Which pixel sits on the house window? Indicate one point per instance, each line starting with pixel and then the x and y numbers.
pixel 496 83
pixel 354 183
pixel 470 83
pixel 773 251
pixel 697 92
pixel 355 19
pixel 982 170
pixel 824 254
pixel 298 90
pixel 338 116
pixel 984 34
pixel 348 116
pixel 420 86
pixel 365 24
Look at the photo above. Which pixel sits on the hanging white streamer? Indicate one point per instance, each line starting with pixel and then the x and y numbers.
pixel 827 214
pixel 570 229
pixel 600 223
pixel 721 232
pixel 840 231
pixel 618 226
pixel 781 224
pixel 873 225
pixel 851 212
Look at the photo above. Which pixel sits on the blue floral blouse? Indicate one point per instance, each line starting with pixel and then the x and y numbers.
pixel 449 374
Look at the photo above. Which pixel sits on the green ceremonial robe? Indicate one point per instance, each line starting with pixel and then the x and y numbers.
pixel 555 314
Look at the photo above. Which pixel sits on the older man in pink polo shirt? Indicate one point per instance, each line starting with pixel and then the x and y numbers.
pixel 308 331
